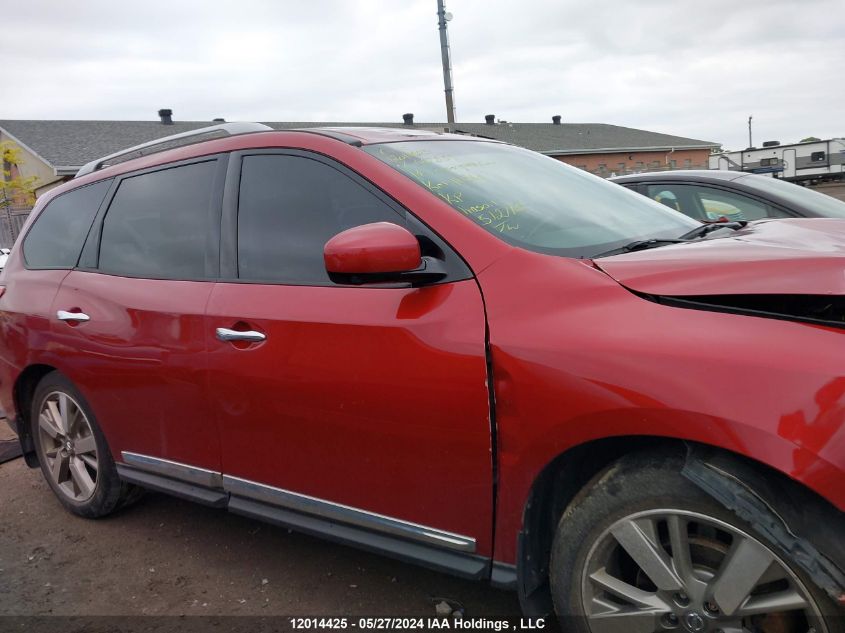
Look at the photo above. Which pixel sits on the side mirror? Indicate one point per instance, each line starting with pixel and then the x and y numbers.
pixel 378 252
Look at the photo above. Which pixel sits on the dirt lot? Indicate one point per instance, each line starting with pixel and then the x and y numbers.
pixel 165 556
pixel 837 190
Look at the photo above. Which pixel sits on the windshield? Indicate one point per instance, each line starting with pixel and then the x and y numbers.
pixel 530 200
pixel 820 203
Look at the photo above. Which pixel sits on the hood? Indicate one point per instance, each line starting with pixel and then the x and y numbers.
pixel 769 257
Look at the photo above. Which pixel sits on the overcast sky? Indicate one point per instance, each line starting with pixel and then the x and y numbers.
pixel 692 68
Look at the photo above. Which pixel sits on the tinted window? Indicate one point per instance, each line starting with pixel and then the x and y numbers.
pixel 56 238
pixel 157 224
pixel 289 208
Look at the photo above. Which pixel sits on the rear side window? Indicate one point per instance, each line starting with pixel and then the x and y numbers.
pixel 157 224
pixel 289 207
pixel 56 238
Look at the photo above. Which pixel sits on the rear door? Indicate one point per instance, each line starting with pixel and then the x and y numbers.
pixel 45 253
pixel 363 406
pixel 129 320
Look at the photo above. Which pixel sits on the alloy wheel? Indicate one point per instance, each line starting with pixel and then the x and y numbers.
pixel 68 445
pixel 673 570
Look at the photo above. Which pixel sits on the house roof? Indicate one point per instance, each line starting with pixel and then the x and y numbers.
pixel 67 145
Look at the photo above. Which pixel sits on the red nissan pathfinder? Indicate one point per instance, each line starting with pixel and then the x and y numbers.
pixel 452 351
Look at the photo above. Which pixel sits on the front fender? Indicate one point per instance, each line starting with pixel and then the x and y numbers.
pixel 578 358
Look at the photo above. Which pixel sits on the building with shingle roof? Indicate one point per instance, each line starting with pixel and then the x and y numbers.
pixel 55 150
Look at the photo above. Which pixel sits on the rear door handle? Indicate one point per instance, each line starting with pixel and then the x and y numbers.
pixel 225 334
pixel 64 315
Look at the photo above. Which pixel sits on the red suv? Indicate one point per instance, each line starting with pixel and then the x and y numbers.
pixel 452 351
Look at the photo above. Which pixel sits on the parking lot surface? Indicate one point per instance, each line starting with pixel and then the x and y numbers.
pixel 165 556
pixel 836 190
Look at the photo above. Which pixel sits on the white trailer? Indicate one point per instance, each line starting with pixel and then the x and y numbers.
pixel 815 161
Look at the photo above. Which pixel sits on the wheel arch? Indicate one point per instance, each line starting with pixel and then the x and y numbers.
pixel 567 477
pixel 23 392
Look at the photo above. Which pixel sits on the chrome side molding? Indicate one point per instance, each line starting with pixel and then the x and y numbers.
pixel 295 502
pixel 346 514
pixel 175 470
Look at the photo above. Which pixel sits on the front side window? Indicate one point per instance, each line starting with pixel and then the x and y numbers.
pixel 56 238
pixel 711 204
pixel 665 197
pixel 157 224
pixel 530 200
pixel 289 207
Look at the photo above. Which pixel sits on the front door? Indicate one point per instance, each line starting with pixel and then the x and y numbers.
pixel 360 406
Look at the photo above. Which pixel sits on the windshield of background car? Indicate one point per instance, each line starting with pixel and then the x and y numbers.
pixel 821 203
pixel 530 200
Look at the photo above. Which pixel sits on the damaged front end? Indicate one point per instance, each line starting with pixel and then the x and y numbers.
pixel 728 482
pixel 823 310
pixel 791 270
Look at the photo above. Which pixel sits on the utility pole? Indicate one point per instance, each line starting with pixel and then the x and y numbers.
pixel 749 133
pixel 446 56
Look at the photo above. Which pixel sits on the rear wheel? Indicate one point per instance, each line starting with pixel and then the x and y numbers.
pixel 72 451
pixel 645 550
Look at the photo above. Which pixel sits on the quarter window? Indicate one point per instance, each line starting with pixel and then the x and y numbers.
pixel 56 238
pixel 157 224
pixel 289 207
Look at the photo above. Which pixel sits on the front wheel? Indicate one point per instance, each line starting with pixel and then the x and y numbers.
pixel 645 551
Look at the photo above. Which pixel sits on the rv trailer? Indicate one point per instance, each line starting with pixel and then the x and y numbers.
pixel 813 161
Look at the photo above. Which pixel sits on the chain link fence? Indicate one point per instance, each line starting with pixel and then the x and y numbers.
pixel 11 222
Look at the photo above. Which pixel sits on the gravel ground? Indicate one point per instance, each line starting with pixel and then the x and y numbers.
pixel 165 556
pixel 836 190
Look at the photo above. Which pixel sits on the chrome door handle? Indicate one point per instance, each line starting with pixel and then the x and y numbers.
pixel 63 315
pixel 225 334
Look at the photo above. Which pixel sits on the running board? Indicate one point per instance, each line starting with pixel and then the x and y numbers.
pixel 436 558
pixel 430 547
pixel 183 490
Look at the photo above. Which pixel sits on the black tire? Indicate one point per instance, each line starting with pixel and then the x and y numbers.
pixel 639 486
pixel 109 492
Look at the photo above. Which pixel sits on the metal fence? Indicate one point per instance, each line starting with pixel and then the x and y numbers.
pixel 11 223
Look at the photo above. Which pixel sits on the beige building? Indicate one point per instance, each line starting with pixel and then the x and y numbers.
pixel 32 164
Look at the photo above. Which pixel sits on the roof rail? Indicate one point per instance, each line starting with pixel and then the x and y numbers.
pixel 228 128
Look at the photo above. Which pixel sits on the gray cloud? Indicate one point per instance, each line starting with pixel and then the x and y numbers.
pixel 689 68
